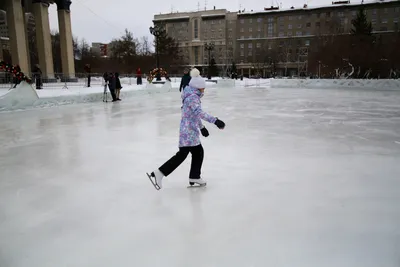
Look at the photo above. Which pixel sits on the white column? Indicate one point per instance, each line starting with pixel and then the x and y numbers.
pixel 16 29
pixel 43 39
pixel 67 51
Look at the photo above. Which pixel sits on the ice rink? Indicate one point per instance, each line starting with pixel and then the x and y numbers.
pixel 298 178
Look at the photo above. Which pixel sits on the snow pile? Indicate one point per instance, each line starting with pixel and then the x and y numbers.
pixel 23 95
pixel 225 83
pixel 336 83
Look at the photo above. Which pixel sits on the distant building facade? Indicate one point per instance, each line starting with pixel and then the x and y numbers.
pixel 283 35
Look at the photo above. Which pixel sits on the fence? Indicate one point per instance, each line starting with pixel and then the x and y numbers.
pixel 9 82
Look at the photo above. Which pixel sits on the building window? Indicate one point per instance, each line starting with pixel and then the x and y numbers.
pixel 270 19
pixel 385 10
pixel 318 24
pixel 299 26
pixel 250 46
pixel 259 28
pixel 354 13
pixel 299 33
pixel 196 29
pixel 269 46
pixel 290 26
pixel 384 21
pixel 300 17
pixel 250 29
pixel 374 11
pixel 307 43
pixel 397 9
pixel 373 21
pixel 259 20
pixel 196 55
pixel 242 21
pixel 242 53
pixel 242 30
pixel 290 18
pixel 242 37
pixel 384 29
pixel 328 14
pixel 250 53
pixel 308 25
pixel 318 15
pixel 281 34
pixel 230 43
pixel 241 45
pixel 341 14
pixel 258 45
pixel 396 20
pixel 250 21
pixel 289 34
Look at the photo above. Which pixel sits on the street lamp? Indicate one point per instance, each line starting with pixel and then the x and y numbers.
pixel 209 47
pixel 157 30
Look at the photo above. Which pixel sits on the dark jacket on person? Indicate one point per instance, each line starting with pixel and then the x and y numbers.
pixel 117 81
pixel 185 81
pixel 111 82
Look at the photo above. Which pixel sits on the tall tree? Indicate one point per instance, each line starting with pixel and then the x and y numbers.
pixel 361 26
pixel 168 50
pixel 123 48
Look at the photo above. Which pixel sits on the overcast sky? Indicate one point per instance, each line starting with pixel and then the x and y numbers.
pixel 101 21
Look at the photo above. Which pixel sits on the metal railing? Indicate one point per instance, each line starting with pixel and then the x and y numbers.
pixel 7 81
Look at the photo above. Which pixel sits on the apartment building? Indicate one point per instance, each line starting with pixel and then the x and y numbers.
pixel 3 24
pixel 274 39
pixel 195 30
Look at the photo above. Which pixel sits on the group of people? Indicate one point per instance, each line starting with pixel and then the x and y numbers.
pixel 114 84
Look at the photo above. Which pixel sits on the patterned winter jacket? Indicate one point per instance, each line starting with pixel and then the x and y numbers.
pixel 192 114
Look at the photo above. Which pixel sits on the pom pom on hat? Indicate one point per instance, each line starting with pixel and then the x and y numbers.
pixel 197 81
pixel 194 73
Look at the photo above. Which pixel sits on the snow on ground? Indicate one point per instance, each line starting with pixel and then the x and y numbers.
pixel 299 177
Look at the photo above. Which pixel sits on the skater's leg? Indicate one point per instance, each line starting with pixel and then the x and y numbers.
pixel 168 167
pixel 197 162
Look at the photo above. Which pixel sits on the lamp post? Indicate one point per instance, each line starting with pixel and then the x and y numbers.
pixel 157 30
pixel 209 47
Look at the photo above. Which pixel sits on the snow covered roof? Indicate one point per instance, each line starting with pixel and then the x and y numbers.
pixel 213 15
pixel 172 18
pixel 355 3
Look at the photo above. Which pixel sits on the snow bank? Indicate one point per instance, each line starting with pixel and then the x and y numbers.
pixel 336 83
pixel 225 83
pixel 23 95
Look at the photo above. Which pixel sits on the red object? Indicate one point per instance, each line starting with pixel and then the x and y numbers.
pixel 138 73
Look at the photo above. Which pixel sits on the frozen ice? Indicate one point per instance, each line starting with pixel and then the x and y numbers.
pixel 299 177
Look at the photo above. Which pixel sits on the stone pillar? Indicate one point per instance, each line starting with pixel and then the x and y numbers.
pixel 67 50
pixel 16 30
pixel 1 50
pixel 43 39
pixel 28 72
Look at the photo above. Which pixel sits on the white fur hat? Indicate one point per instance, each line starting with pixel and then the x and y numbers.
pixel 197 81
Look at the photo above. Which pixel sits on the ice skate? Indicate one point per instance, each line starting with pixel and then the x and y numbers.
pixel 156 179
pixel 197 183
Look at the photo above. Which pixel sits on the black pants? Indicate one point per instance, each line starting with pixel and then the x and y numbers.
pixel 174 162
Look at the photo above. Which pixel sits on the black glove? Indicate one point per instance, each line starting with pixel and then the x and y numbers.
pixel 204 132
pixel 220 124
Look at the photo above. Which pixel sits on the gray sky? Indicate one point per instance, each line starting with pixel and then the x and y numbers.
pixel 101 21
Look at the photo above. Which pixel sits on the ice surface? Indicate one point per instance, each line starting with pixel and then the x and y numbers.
pixel 298 177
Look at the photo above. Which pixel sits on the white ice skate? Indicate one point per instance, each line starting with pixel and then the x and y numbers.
pixel 156 179
pixel 197 183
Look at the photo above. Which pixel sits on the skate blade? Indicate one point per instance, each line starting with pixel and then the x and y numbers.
pixel 197 185
pixel 156 186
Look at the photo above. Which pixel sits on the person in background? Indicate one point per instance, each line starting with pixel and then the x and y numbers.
pixel 88 70
pixel 185 80
pixel 112 85
pixel 118 86
pixel 139 76
pixel 38 76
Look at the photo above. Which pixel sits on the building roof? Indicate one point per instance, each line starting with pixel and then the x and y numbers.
pixel 308 7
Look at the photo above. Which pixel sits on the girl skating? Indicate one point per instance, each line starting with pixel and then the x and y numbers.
pixel 189 134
